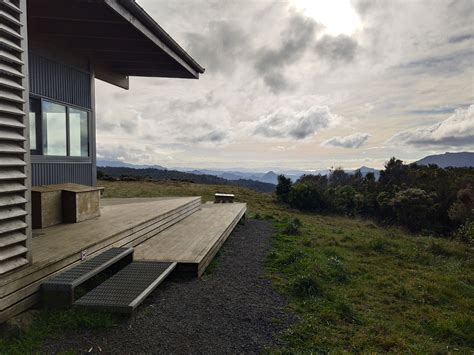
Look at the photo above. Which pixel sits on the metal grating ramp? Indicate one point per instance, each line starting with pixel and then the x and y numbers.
pixel 86 270
pixel 124 291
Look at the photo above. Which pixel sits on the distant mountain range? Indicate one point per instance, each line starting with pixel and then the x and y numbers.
pixel 455 160
pixel 464 159
pixel 121 164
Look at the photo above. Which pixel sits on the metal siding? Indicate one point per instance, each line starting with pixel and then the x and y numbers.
pixel 15 233
pixel 57 173
pixel 54 80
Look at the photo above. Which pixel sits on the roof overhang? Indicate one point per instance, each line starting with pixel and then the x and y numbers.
pixel 117 36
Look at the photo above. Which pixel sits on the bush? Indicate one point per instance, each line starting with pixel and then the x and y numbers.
pixel 293 227
pixel 307 198
pixel 463 209
pixel 465 232
pixel 413 208
pixel 306 286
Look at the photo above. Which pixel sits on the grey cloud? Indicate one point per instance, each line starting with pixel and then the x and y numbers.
pixel 441 64
pixel 271 62
pixel 341 48
pixel 456 130
pixel 433 111
pixel 206 101
pixel 460 38
pixel 295 125
pixel 219 49
pixel 212 137
pixel 355 140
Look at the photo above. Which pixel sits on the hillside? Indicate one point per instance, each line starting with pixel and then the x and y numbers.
pixel 125 173
pixel 455 160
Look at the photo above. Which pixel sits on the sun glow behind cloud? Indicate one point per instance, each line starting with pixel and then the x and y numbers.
pixel 338 16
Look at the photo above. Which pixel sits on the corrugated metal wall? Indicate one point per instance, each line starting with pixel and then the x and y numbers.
pixel 58 81
pixel 15 231
pixel 50 79
pixel 58 173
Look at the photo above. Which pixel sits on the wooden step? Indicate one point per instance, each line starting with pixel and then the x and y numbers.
pixel 59 291
pixel 124 291
pixel 56 249
pixel 194 241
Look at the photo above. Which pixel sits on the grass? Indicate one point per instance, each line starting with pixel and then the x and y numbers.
pixel 361 288
pixel 356 287
pixel 51 324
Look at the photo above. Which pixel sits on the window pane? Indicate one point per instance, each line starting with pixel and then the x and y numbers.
pixel 33 131
pixel 78 133
pixel 54 126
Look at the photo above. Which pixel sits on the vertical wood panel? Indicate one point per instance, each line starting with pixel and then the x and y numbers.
pixel 15 232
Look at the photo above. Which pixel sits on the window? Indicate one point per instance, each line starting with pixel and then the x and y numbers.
pixel 35 122
pixel 58 130
pixel 54 129
pixel 78 133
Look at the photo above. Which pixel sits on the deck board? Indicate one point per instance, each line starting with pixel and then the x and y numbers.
pixel 65 239
pixel 124 222
pixel 193 240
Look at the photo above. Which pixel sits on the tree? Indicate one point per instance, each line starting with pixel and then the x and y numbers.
pixel 461 210
pixel 413 208
pixel 283 188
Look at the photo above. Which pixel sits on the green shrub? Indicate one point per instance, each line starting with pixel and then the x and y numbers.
pixel 283 188
pixel 465 232
pixel 306 286
pixel 293 227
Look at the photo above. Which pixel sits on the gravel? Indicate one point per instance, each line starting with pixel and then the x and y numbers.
pixel 232 309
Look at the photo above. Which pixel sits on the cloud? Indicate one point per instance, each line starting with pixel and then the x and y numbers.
pixel 296 38
pixel 457 130
pixel 460 38
pixel 286 123
pixel 355 140
pixel 212 137
pixel 341 48
pixel 220 48
pixel 135 153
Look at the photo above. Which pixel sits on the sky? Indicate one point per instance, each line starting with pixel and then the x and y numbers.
pixel 300 84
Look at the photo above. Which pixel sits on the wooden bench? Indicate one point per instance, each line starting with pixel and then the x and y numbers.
pixel 70 203
pixel 224 198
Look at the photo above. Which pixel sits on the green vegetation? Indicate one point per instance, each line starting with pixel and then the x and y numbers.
pixel 421 198
pixel 48 324
pixel 356 286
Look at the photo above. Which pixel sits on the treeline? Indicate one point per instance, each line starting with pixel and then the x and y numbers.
pixel 421 198
pixel 150 174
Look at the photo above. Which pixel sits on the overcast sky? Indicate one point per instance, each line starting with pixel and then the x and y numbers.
pixel 300 84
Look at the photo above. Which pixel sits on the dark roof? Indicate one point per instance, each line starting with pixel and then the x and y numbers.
pixel 117 36
pixel 148 21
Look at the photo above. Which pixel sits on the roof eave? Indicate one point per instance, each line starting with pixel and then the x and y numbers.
pixel 151 28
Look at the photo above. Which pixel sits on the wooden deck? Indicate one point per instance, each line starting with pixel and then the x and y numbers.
pixel 123 222
pixel 194 241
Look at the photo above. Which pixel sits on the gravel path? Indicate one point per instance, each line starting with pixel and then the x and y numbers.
pixel 231 310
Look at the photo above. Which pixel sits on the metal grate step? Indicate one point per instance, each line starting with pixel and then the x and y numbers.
pixel 59 290
pixel 124 291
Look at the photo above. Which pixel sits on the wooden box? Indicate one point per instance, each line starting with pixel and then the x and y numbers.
pixel 46 206
pixel 224 198
pixel 80 203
